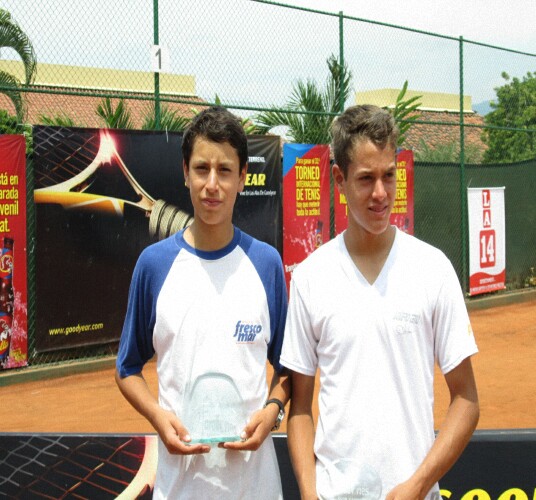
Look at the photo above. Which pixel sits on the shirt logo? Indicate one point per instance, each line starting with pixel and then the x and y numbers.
pixel 405 323
pixel 246 333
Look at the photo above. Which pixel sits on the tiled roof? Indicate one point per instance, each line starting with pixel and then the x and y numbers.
pixel 435 135
pixel 82 109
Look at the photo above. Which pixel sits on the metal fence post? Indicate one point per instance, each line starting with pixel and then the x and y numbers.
pixel 156 74
pixel 463 188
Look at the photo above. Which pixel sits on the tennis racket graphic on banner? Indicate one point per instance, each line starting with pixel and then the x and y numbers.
pixel 83 467
pixel 81 173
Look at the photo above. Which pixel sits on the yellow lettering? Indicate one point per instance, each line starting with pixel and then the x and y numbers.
pixel 445 493
pixel 307 173
pixel 255 179
pixel 401 174
pixel 514 494
pixel 312 194
pixel 477 494
pixel 401 194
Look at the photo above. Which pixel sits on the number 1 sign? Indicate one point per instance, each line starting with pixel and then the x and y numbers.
pixel 160 60
pixel 487 261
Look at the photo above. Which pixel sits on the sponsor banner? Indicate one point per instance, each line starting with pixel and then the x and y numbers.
pixel 487 256
pixel 102 196
pixel 496 465
pixel 340 209
pixel 13 272
pixel 78 466
pixel 402 215
pixel 305 202
pixel 258 208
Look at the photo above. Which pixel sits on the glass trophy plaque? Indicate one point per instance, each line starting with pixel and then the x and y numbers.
pixel 215 411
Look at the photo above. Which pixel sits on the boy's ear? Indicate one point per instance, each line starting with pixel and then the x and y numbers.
pixel 185 171
pixel 243 175
pixel 338 177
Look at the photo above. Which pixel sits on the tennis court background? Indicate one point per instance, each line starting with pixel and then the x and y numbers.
pixel 90 402
pixel 87 410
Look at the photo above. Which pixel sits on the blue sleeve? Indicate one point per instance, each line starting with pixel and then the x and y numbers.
pixel 136 344
pixel 268 264
pixel 278 315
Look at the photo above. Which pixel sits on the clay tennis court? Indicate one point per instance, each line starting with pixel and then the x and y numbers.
pixel 91 402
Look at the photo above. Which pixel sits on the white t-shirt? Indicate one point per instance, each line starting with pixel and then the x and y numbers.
pixel 205 313
pixel 374 346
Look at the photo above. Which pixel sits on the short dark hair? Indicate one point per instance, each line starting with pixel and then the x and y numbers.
pixel 357 123
pixel 216 124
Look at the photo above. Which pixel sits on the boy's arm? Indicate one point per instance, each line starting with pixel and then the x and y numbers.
pixel 301 434
pixel 262 421
pixel 454 434
pixel 170 429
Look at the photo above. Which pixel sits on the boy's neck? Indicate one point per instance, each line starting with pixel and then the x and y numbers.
pixel 360 242
pixel 208 238
pixel 369 252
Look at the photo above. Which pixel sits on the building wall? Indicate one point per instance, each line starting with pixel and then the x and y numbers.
pixel 52 79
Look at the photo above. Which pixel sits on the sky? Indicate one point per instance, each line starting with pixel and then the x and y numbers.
pixel 251 53
pixel 508 23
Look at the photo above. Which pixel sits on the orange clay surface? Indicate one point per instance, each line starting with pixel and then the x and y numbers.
pixel 91 402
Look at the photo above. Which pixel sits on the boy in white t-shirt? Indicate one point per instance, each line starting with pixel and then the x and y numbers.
pixel 373 310
pixel 210 302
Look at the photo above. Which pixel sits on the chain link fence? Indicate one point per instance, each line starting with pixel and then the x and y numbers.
pixel 283 68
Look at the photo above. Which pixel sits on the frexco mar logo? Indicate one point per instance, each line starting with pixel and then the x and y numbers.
pixel 246 332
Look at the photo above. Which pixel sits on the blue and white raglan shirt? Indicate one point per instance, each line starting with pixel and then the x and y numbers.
pixel 219 312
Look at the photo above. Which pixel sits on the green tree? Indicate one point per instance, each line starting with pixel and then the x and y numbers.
pixel 307 99
pixel 12 36
pixel 9 124
pixel 60 120
pixel 405 113
pixel 249 127
pixel 170 119
pixel 114 117
pixel 515 107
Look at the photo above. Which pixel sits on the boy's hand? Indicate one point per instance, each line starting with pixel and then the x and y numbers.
pixel 258 427
pixel 175 436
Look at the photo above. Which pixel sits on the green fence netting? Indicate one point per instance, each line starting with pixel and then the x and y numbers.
pixel 273 63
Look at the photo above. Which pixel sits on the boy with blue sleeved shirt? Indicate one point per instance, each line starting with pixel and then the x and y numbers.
pixel 209 300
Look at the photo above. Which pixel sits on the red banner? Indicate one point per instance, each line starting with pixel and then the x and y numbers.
pixel 341 211
pixel 402 213
pixel 305 202
pixel 487 241
pixel 13 285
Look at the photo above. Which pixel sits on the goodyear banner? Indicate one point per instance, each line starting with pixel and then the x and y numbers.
pixel 102 196
pixel 13 276
pixel 487 260
pixel 305 202
pixel 402 213
pixel 258 208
